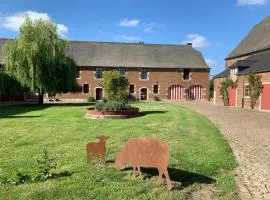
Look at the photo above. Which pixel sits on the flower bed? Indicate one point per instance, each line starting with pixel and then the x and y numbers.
pixel 111 114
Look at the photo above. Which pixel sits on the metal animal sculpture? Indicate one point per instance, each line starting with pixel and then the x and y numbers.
pixel 145 152
pixel 97 149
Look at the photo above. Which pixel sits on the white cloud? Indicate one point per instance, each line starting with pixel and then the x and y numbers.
pixel 14 22
pixel 211 63
pixel 129 23
pixel 196 40
pixel 62 30
pixel 128 38
pixel 251 2
pixel 148 27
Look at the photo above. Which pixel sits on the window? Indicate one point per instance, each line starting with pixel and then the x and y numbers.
pixel 122 70
pixel 155 89
pixel 144 74
pixel 85 88
pixel 233 71
pixel 186 74
pixel 78 72
pixel 99 72
pixel 131 89
pixel 247 91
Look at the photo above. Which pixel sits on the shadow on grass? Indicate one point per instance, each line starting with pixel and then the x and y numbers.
pixel 67 104
pixel 185 178
pixel 61 174
pixel 28 116
pixel 10 111
pixel 151 112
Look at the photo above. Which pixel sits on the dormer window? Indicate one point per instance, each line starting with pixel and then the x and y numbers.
pixel 99 73
pixel 122 70
pixel 233 71
pixel 186 74
pixel 144 74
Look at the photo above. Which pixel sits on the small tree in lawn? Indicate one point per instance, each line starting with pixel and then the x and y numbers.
pixel 38 59
pixel 224 90
pixel 255 85
pixel 115 86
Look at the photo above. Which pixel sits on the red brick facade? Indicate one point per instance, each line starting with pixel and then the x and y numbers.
pixel 242 101
pixel 164 78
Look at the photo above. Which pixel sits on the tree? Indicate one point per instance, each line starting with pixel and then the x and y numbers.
pixel 255 85
pixel 38 59
pixel 115 86
pixel 224 90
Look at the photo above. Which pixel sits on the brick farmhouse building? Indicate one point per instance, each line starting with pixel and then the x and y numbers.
pixel 174 72
pixel 251 55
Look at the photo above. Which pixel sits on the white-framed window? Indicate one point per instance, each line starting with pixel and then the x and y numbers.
pixel 247 90
pixel 99 72
pixel 144 74
pixel 233 71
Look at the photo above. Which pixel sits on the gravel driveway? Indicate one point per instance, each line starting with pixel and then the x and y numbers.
pixel 248 133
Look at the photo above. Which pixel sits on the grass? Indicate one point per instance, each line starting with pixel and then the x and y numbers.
pixel 199 154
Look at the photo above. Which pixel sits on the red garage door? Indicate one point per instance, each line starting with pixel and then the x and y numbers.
pixel 266 97
pixel 232 96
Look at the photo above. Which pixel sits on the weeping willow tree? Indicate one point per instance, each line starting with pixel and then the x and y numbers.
pixel 10 86
pixel 38 59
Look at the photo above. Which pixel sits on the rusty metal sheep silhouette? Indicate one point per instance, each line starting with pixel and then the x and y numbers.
pixel 145 152
pixel 97 148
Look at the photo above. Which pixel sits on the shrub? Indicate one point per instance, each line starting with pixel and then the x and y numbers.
pixel 99 106
pixel 115 86
pixel 46 164
pixel 255 84
pixel 112 106
pixel 224 89
pixel 90 99
pixel 156 98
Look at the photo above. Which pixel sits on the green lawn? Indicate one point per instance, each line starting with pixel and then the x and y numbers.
pixel 199 154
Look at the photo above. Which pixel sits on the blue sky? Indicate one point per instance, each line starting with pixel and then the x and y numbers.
pixel 215 26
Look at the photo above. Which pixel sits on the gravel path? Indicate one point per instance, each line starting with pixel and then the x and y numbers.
pixel 248 133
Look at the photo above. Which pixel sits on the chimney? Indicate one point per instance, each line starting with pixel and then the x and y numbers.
pixel 189 44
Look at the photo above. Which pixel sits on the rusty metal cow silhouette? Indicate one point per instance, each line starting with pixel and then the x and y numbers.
pixel 97 149
pixel 145 152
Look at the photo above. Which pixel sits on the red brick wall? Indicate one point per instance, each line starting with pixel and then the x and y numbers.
pixel 241 100
pixel 217 97
pixel 163 77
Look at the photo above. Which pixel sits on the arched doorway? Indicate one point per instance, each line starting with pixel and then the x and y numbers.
pixel 143 94
pixel 176 92
pixel 99 95
pixel 195 92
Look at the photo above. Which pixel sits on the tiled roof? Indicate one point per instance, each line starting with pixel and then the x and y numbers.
pixel 134 55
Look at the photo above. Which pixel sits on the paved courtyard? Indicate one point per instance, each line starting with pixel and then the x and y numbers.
pixel 248 133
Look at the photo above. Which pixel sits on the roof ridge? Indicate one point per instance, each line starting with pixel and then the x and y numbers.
pixel 246 45
pixel 129 43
